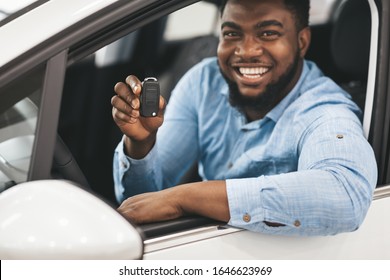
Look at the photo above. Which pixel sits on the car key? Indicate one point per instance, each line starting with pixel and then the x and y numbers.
pixel 150 97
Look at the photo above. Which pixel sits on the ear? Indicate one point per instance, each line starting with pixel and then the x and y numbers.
pixel 304 38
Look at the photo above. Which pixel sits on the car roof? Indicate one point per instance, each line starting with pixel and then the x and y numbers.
pixel 43 22
pixel 35 21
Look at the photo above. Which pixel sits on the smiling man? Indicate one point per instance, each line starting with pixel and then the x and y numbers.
pixel 280 146
pixel 261 53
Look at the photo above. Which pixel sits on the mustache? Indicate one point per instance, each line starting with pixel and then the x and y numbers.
pixel 249 60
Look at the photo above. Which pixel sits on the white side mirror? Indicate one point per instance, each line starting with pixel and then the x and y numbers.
pixel 52 219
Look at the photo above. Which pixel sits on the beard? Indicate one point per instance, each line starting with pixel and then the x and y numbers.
pixel 273 94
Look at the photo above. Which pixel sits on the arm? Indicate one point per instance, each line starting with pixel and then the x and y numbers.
pixel 138 140
pixel 157 161
pixel 330 192
pixel 194 198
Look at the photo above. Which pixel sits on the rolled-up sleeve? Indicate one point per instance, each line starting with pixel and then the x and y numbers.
pixel 329 193
pixel 139 176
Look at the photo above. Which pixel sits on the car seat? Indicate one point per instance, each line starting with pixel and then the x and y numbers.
pixel 350 47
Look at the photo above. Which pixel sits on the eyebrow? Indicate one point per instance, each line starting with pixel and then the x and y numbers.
pixel 267 23
pixel 259 25
pixel 231 25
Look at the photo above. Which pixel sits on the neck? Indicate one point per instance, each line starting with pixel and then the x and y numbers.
pixel 254 115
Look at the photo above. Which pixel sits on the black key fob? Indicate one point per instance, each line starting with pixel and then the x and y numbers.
pixel 150 97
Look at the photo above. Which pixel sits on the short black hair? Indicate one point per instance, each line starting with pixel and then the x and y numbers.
pixel 299 8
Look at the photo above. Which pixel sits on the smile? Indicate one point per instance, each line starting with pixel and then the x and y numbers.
pixel 253 72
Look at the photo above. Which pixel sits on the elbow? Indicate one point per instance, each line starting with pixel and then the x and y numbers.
pixel 356 191
pixel 357 205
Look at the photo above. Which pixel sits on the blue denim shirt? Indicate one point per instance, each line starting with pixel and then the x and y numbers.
pixel 306 164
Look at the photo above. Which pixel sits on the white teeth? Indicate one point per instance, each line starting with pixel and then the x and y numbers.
pixel 253 70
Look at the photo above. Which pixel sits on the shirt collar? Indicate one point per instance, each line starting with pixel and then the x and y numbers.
pixel 279 109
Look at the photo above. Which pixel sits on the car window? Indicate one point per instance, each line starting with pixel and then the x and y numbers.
pixel 180 24
pixel 18 119
pixel 321 11
pixel 165 48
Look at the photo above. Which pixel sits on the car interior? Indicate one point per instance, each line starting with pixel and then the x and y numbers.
pixel 340 46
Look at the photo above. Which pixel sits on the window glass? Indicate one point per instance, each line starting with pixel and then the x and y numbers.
pixel 181 25
pixel 18 118
pixel 321 11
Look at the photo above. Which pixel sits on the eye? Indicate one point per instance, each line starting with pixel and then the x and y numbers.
pixel 269 35
pixel 231 34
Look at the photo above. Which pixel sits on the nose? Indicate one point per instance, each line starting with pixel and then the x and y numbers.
pixel 249 48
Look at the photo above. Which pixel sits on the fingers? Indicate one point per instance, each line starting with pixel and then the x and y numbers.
pixel 126 94
pixel 149 207
pixel 129 91
pixel 162 105
pixel 135 84
pixel 123 111
pixel 126 103
pixel 136 209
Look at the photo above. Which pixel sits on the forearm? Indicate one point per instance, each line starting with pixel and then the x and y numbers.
pixel 204 198
pixel 207 199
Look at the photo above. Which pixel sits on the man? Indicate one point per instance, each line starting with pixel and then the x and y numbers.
pixel 280 146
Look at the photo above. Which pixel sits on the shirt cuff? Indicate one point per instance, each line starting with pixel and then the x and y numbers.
pixel 125 162
pixel 245 205
pixel 252 201
pixel 128 172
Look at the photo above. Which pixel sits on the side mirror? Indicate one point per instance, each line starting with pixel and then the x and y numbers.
pixel 53 219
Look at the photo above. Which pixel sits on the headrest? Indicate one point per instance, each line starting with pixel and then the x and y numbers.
pixel 350 40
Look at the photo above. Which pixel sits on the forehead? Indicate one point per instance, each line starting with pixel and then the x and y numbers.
pixel 246 11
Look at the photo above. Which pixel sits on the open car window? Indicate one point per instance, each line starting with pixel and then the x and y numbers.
pixel 166 49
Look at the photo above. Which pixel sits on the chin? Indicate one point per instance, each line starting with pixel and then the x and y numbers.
pixel 251 93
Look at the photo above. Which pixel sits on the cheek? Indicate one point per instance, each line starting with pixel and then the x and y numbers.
pixel 284 52
pixel 283 56
pixel 223 52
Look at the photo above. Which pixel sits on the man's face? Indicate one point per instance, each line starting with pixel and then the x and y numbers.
pixel 260 51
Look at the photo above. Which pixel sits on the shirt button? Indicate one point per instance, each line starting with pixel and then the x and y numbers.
pixel 246 218
pixel 340 136
pixel 230 165
pixel 297 223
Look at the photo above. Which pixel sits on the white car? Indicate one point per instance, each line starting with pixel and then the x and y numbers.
pixel 58 64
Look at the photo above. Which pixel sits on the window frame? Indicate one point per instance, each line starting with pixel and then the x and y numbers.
pixel 380 120
pixel 49 110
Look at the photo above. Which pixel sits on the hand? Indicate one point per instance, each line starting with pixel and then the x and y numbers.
pixel 151 207
pixel 126 114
